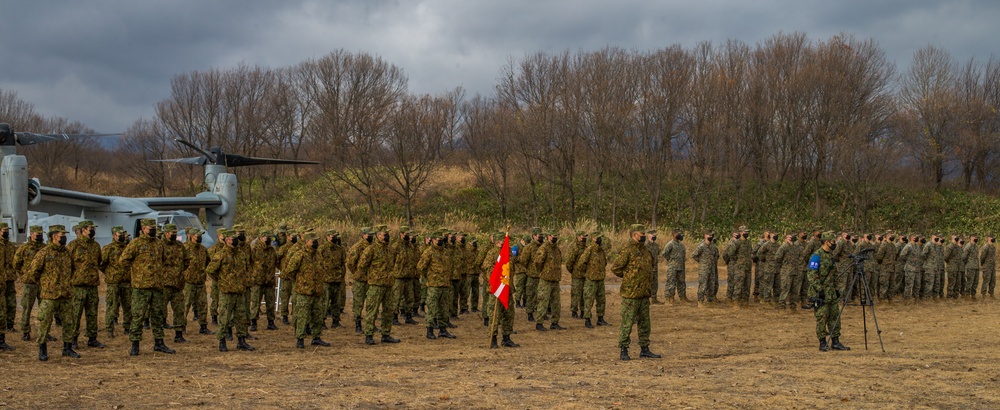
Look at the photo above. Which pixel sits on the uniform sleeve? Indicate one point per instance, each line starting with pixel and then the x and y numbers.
pixel 696 255
pixel 583 261
pixel 539 258
pixel 214 265
pixel 37 265
pixel 621 261
pixel 424 262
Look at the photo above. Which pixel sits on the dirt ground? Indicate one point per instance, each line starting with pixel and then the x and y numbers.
pixel 938 355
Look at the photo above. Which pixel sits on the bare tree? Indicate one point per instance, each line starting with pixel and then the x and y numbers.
pixel 927 90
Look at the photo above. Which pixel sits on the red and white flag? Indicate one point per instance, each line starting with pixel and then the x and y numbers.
pixel 500 278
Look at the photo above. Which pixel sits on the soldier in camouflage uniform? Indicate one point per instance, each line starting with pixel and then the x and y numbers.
pixel 531 283
pixel 632 264
pixel 911 259
pixel 310 285
pixel 433 266
pixel 929 255
pixel 227 265
pixel 175 263
pixel 144 257
pixel 262 280
pixel 767 267
pixel 220 242
pixel 898 277
pixel 885 257
pixel 468 249
pixel 939 275
pixel 987 263
pixel 593 264
pixel 517 261
pixel 52 269
pixel 824 289
pixel 359 276
pixel 7 277
pixel 505 315
pixel 706 254
pixel 332 257
pixel 808 248
pixel 787 259
pixel 741 261
pixel 548 261
pixel 29 287
pixel 404 266
pixel 971 255
pixel 578 278
pixel 730 263
pixel 118 294
pixel 194 279
pixel 473 281
pixel 86 254
pixel 654 249
pixel 845 266
pixel 284 252
pixel 954 266
pixel 675 253
pixel 378 261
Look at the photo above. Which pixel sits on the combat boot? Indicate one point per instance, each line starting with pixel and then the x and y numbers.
pixel 395 320
pixel 493 343
pixel 601 322
pixel 159 346
pixel 555 326
pixel 68 350
pixel 43 352
pixel 449 325
pixel 369 340
pixel 179 337
pixel 587 324
pixel 3 343
pixel 443 332
pixel 624 355
pixel 531 317
pixel 271 325
pixel 223 347
pixel 92 342
pixel 242 344
pixel 486 321
pixel 357 326
pixel 75 345
pixel 134 351
pixel 508 343
pixel 215 320
pixel 430 333
pixel 253 325
pixel 575 315
pixel 284 320
pixel 204 330
pixel 409 320
pixel 648 354
pixel 26 337
pixel 835 345
pixel 229 333
pixel 540 327
pixel 389 339
pixel 319 342
pixel 300 344
pixel 822 345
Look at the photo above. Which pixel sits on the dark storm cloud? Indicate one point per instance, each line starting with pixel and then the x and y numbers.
pixel 107 63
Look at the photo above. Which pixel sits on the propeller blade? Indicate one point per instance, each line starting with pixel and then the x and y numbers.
pixel 211 158
pixel 189 161
pixel 232 160
pixel 30 138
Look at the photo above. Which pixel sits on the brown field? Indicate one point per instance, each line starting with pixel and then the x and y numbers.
pixel 939 355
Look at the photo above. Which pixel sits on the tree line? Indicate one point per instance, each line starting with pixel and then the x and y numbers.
pixel 610 135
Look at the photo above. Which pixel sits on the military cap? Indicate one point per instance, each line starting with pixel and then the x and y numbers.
pixel 265 233
pixel 283 227
pixel 709 232
pixel 147 222
pixel 87 223
pixel 310 235
pixel 435 234
pixel 227 233
pixel 76 227
pixel 554 232
pixel 305 230
pixel 404 228
pixel 637 228
pixel 499 234
pixel 581 233
pixel 536 230
pixel 332 232
pixel 651 231
pixel 239 228
pixel 117 229
pixel 194 231
pixel 366 229
pixel 595 233
pixel 828 236
pixel 57 228
pixel 3 225
pixel 170 228
pixel 743 228
pixel 35 229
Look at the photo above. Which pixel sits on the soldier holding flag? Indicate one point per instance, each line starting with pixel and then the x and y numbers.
pixel 500 287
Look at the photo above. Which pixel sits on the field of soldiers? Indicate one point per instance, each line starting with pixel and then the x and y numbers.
pixel 938 353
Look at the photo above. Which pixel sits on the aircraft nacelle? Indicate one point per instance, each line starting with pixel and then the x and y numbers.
pixel 14 187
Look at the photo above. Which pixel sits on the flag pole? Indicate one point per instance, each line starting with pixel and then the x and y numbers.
pixel 496 299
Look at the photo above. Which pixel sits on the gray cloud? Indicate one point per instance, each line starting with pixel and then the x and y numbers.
pixel 107 62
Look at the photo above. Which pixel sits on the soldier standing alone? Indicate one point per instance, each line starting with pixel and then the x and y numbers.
pixel 632 264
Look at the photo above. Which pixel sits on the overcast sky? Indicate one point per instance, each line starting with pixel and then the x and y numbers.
pixel 107 63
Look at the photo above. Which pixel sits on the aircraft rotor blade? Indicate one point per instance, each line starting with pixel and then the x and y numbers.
pixel 189 161
pixel 232 160
pixel 211 158
pixel 30 138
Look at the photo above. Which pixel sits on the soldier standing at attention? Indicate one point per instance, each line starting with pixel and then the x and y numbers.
pixel 220 242
pixel 911 259
pixel 767 268
pixel 548 262
pixel 675 254
pixel 654 249
pixel 531 283
pixel 885 256
pixel 707 256
pixel 823 287
pixel 632 264
pixel 265 260
pixel 433 266
pixel 287 280
pixel 333 255
pixel 987 262
pixel 505 316
pixel 29 287
pixel 953 265
pixel 740 255
pixel 116 278
pixel 971 256
pixel 359 276
pixel 593 264
pixel 228 267
pixel 787 259
pixel 578 278
pixel 86 254
pixel 929 255
pixel 194 279
pixel 52 269
pixel 175 261
pixel 399 249
pixel 144 257
pixel 310 312
pixel 808 249
pixel 7 277
pixel 520 271
pixel 730 250
pixel 378 261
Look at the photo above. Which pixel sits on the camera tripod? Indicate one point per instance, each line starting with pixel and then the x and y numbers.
pixel 864 298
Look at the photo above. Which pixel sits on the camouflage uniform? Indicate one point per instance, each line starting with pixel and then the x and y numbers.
pixel 29 287
pixel 971 255
pixel 332 258
pixel 309 288
pixel 954 267
pixel 911 259
pixel 144 257
pixel 885 257
pixel 939 275
pixel 987 263
pixel 824 286
pixel 740 258
pixel 262 280
pixel 283 253
pixel 531 283
pixel 787 259
pixel 400 249
pixel 52 269
pixel 898 276
pixel 728 257
pixel 518 260
pixel 654 249
pixel 230 268
pixel 118 295
pixel 707 256
pixel 578 278
pixel 807 250
pixel 767 267
pixel 86 254
pixel 214 288
pixel 377 262
pixel 359 277
pixel 633 264
pixel 7 277
pixel 929 256
pixel 472 284
pixel 433 266
pixel 548 262
pixel 175 262
pixel 505 316
pixel 675 253
pixel 194 279
pixel 845 266
pixel 592 264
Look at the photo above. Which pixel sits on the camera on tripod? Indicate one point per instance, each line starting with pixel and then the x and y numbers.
pixel 863 255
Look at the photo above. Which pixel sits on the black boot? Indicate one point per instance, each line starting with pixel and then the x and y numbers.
pixel 357 326
pixel 3 343
pixel 575 316
pixel 43 352
pixel 531 317
pixel 284 320
pixel 493 343
pixel 486 321
pixel 92 342
pixel 253 325
pixel 837 346
pixel 68 350
pixel 204 330
pixel 409 320
pixel 270 325
pixel 823 346
pixel 335 324
pixel 395 320
pixel 76 344
pixel 508 343
pixel 222 345
pixel 430 333
pixel 369 340
pixel 145 324
pixel 215 320
pixel 587 324
pixel 601 322
pixel 389 339
pixel 540 327
pixel 624 355
pixel 179 337
pixel 555 326
pixel 26 337
pixel 134 351
pixel 449 325
pixel 319 342
pixel 300 344
pixel 159 346
pixel 648 354
pixel 242 344
pixel 443 332
pixel 229 333
pixel 49 338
